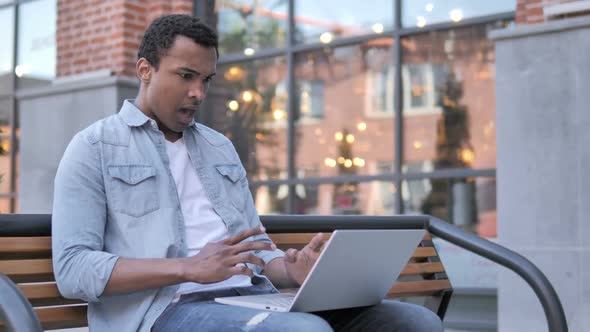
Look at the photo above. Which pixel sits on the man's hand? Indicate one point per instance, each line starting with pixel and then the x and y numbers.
pixel 298 263
pixel 218 261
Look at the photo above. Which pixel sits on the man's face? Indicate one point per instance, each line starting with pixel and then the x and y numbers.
pixel 174 92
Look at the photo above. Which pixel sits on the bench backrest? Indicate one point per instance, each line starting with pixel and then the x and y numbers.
pixel 27 262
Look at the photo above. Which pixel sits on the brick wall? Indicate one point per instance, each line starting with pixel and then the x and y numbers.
pixel 531 11
pixel 105 34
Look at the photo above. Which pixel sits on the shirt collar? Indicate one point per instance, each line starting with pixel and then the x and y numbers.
pixel 132 115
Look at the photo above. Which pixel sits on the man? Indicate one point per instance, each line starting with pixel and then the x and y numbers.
pixel 153 218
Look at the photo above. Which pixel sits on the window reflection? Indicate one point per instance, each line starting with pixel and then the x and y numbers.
pixel 36 47
pixel 324 21
pixel 5 147
pixel 4 204
pixel 420 13
pixel 247 103
pixel 374 198
pixel 469 203
pixel 271 199
pixel 449 98
pixel 344 108
pixel 6 51
pixel 250 25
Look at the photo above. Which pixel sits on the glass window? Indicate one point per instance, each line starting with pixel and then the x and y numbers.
pixel 247 103
pixel 5 170
pixel 424 12
pixel 7 49
pixel 271 199
pixel 323 21
pixel 372 198
pixel 449 102
pixel 36 43
pixel 344 109
pixel 5 204
pixel 469 203
pixel 250 25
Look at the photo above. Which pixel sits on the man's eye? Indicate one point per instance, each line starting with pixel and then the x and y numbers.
pixel 186 76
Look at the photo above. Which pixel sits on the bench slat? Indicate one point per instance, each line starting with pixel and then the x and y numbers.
pixel 53 318
pixel 422 268
pixel 45 294
pixel 28 270
pixel 25 247
pixel 418 288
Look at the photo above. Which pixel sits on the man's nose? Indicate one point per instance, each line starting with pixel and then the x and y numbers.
pixel 197 91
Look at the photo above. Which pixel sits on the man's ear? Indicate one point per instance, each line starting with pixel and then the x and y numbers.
pixel 144 70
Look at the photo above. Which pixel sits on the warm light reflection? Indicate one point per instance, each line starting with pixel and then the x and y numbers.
pixel 359 162
pixel 5 145
pixel 456 15
pixel 278 114
pixel 233 105
pixel 348 163
pixel 420 21
pixel 234 73
pixel 23 69
pixel 247 96
pixel 361 126
pixel 341 160
pixel 249 51
pixel 326 37
pixel 467 155
pixel 377 28
pixel 418 145
pixel 330 162
pixel 339 136
pixel 350 138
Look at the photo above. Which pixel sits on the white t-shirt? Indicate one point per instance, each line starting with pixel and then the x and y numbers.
pixel 201 222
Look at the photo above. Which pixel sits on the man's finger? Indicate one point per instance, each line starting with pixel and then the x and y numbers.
pixel 317 242
pixel 246 258
pixel 291 255
pixel 241 269
pixel 252 245
pixel 243 235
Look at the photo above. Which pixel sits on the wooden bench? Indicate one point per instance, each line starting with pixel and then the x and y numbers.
pixel 26 260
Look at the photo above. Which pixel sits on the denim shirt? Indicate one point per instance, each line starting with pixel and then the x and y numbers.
pixel 115 197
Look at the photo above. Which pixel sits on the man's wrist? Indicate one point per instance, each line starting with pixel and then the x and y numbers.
pixel 180 269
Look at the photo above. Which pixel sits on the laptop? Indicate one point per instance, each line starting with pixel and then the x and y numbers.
pixel 355 269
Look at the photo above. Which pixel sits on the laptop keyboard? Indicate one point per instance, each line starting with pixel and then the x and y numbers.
pixel 276 300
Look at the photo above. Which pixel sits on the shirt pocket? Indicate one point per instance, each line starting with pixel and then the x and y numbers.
pixel 133 189
pixel 234 184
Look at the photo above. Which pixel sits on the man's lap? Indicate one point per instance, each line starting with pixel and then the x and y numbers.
pixel 201 313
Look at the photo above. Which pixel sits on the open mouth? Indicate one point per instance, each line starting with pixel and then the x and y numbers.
pixel 187 114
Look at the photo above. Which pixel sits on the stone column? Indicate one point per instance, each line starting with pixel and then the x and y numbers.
pixel 543 166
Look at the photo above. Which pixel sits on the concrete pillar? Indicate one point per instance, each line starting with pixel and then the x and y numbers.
pixel 543 166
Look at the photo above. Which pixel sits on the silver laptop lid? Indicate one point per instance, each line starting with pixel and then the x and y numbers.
pixel 356 268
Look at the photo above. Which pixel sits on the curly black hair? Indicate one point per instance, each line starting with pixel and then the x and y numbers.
pixel 162 32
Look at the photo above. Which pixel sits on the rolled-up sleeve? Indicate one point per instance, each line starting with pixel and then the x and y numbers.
pixel 82 269
pixel 254 221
